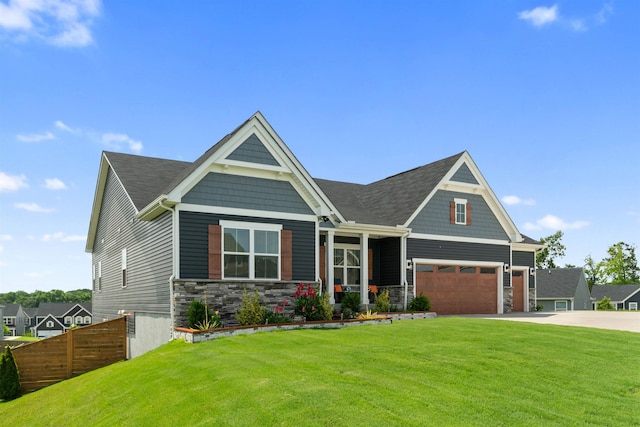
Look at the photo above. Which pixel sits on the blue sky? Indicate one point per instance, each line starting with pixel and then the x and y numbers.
pixel 545 96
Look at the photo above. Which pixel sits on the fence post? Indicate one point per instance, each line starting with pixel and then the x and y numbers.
pixel 69 353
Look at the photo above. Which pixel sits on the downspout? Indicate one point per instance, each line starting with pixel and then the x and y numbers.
pixel 403 268
pixel 173 262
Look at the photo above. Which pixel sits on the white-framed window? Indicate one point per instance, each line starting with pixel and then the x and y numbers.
pixel 79 320
pixel 124 268
pixel 633 306
pixel 461 211
pixel 49 324
pixel 68 320
pixel 87 320
pixel 561 306
pixel 346 267
pixel 250 250
pixel 94 276
pixel 99 276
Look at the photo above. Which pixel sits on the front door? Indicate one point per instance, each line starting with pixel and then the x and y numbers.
pixel 517 286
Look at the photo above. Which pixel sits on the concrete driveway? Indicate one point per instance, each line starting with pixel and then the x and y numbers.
pixel 617 320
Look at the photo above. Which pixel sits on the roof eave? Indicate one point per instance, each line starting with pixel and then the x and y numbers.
pixel 156 208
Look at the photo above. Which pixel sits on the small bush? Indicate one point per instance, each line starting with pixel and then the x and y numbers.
pixel 199 314
pixel 604 304
pixel 326 306
pixel 9 376
pixel 382 301
pixel 351 301
pixel 5 330
pixel 420 303
pixel 277 314
pixel 251 311
pixel 309 303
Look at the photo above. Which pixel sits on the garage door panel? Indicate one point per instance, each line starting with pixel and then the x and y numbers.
pixel 459 293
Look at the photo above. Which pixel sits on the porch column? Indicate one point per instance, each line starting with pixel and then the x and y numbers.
pixel 329 265
pixel 364 268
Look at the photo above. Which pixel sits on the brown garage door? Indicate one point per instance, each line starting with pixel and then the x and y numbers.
pixel 458 289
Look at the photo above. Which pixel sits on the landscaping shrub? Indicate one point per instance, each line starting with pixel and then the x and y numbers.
pixel 604 304
pixel 327 307
pixel 351 302
pixel 277 314
pixel 309 304
pixel 419 303
pixel 251 311
pixel 382 301
pixel 9 376
pixel 200 316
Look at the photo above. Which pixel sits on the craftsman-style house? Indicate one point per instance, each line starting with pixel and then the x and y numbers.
pixel 247 215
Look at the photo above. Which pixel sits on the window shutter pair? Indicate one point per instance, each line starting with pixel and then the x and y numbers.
pixel 215 253
pixel 452 213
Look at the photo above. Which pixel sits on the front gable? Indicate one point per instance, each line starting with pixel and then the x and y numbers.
pixel 50 323
pixel 252 170
pixel 484 217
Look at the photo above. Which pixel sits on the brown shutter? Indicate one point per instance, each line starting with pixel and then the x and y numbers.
pixel 322 253
pixel 468 213
pixel 286 255
pixel 215 252
pixel 452 212
pixel 370 264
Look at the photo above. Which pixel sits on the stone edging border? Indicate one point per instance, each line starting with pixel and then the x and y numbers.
pixel 196 336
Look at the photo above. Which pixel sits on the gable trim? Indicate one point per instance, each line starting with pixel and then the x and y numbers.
pixel 483 189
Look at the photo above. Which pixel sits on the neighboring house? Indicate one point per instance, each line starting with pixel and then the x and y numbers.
pixel 55 318
pixel 13 317
pixel 562 289
pixel 248 215
pixel 29 318
pixel 2 314
pixel 623 297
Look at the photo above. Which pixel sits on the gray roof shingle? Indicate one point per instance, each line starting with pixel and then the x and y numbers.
pixel 390 201
pixel 557 282
pixel 614 292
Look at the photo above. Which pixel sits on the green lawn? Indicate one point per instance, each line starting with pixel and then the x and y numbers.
pixel 445 371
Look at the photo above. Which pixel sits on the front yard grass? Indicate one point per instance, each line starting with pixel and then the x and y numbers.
pixel 442 372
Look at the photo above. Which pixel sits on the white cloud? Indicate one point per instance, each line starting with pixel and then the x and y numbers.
pixel 604 13
pixel 5 237
pixel 540 15
pixel 12 182
pixel 515 200
pixel 59 22
pixel 552 222
pixel 33 207
pixel 34 275
pixel 54 184
pixel 36 137
pixel 62 237
pixel 578 25
pixel 60 125
pixel 117 140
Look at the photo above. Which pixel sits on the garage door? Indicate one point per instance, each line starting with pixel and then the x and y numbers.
pixel 517 286
pixel 456 289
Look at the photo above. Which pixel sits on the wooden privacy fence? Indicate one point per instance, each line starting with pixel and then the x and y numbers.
pixel 75 352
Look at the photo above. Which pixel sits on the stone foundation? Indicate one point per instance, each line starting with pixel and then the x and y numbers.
pixel 226 297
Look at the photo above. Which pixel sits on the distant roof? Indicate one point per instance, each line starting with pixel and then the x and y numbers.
pixel 390 201
pixel 616 293
pixel 10 310
pixel 557 282
pixel 58 309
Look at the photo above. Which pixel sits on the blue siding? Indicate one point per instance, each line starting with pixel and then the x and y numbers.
pixel 434 218
pixel 463 251
pixel 194 232
pixel 234 191
pixel 149 257
pixel 463 174
pixel 253 151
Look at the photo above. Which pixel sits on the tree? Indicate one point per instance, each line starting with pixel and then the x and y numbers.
pixel 546 258
pixel 9 376
pixel 593 272
pixel 604 304
pixel 621 266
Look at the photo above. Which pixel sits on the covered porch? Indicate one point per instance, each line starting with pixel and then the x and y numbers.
pixel 365 260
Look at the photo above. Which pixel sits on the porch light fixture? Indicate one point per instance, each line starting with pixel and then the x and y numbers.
pixel 532 272
pixel 506 268
pixel 409 265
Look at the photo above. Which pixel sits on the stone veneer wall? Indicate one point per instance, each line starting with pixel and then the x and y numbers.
pixel 396 295
pixel 507 299
pixel 532 300
pixel 226 297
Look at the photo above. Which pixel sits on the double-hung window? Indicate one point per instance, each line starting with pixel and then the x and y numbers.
pixel 461 211
pixel 250 250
